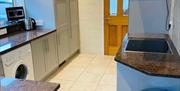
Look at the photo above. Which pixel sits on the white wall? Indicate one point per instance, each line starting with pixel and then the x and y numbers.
pixel 175 32
pixel 147 16
pixel 41 10
pixel 91 26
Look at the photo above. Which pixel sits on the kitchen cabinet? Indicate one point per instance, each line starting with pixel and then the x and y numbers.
pixel 51 59
pixel 74 32
pixel 38 58
pixel 67 28
pixel 62 15
pixel 63 44
pixel 44 52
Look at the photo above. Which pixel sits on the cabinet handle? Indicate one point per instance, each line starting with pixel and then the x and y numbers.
pixel 47 41
pixel 71 30
pixel 45 45
pixel 58 36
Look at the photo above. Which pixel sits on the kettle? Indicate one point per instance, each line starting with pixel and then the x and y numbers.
pixel 30 23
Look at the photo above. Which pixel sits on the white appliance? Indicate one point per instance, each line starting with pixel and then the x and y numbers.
pixel 18 63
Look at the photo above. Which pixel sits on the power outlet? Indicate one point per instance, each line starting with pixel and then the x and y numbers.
pixel 170 25
pixel 39 22
pixel 3 31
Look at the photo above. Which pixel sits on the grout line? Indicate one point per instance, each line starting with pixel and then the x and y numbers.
pixel 102 76
pixel 84 69
pixel 80 73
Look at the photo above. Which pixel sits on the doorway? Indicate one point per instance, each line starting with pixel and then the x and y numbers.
pixel 115 24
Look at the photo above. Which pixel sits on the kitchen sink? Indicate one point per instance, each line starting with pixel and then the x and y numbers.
pixel 148 45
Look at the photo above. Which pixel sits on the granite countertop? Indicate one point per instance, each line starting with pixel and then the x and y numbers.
pixel 11 84
pixel 13 41
pixel 155 64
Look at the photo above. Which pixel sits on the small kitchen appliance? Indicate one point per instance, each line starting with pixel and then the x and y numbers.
pixel 30 23
pixel 15 13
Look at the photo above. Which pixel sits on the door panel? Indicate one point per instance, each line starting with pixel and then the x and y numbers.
pixel 63 45
pixel 63 29
pixel 113 35
pixel 75 41
pixel 51 58
pixel 38 58
pixel 115 26
pixel 61 12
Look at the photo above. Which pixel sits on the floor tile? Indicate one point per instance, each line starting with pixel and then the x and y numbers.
pixel 108 79
pixel 87 72
pixel 106 88
pixel 69 74
pixel 89 77
pixel 66 85
pixel 83 86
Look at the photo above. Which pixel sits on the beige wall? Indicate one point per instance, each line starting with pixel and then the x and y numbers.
pixel 91 26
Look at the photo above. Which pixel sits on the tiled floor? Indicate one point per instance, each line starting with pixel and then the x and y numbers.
pixel 87 73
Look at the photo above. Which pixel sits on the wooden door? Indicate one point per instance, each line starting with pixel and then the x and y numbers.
pixel 115 25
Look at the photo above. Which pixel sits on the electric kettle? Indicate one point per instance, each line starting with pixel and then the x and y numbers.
pixel 30 23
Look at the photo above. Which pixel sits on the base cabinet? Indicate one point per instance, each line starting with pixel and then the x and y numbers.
pixel 51 57
pixel 63 44
pixel 38 58
pixel 44 52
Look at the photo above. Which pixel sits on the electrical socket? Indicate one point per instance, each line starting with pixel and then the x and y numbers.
pixel 170 25
pixel 39 22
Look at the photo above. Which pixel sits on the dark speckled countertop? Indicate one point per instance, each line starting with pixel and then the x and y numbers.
pixel 11 84
pixel 155 64
pixel 13 41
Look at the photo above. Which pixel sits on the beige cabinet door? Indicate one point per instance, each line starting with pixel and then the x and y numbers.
pixel 51 58
pixel 38 58
pixel 63 29
pixel 74 31
pixel 63 45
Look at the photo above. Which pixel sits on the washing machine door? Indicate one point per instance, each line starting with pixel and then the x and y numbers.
pixel 21 72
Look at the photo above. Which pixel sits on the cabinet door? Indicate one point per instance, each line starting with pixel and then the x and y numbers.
pixel 63 44
pixel 38 58
pixel 74 13
pixel 63 27
pixel 61 12
pixel 51 59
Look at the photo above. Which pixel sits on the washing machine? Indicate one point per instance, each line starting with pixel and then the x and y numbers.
pixel 18 63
